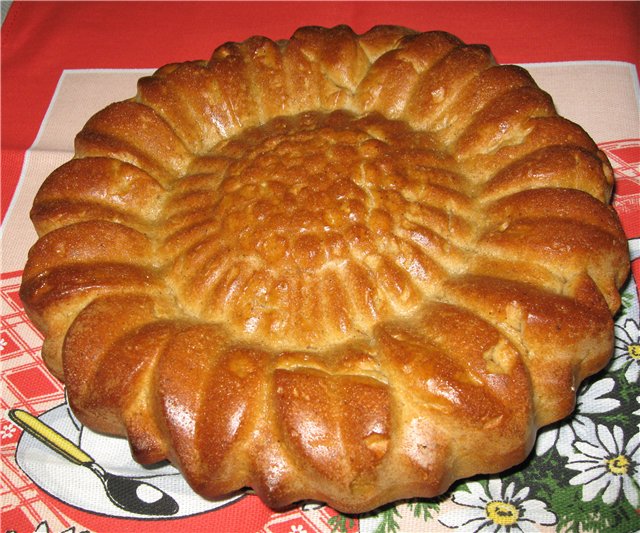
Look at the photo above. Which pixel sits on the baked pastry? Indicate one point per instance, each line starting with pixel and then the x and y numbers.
pixel 348 268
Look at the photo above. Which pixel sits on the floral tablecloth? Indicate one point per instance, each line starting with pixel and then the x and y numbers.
pixel 64 61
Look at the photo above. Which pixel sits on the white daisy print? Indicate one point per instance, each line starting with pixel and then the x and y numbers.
pixel 592 400
pixel 626 355
pixel 607 465
pixel 8 431
pixel 498 510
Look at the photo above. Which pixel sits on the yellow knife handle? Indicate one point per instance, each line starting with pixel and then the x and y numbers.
pixel 49 436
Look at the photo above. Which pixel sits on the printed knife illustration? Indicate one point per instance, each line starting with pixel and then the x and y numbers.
pixel 127 493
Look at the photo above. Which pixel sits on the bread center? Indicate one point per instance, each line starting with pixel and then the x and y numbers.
pixel 307 240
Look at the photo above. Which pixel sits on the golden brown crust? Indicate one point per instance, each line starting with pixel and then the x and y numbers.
pixel 350 268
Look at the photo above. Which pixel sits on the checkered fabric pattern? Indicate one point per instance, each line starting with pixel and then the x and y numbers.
pixel 27 384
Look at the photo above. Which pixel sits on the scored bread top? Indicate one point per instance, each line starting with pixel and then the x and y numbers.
pixel 351 268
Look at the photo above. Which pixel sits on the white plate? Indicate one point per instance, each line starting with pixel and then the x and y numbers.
pixel 79 487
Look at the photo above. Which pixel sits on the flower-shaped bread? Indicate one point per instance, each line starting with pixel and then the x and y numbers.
pixel 350 268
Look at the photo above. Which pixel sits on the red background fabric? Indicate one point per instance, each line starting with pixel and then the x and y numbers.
pixel 40 39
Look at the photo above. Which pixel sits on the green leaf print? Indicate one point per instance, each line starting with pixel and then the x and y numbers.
pixel 388 523
pixel 425 509
pixel 627 298
pixel 578 516
pixel 341 523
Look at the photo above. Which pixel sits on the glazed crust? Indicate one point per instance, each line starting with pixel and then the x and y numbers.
pixel 347 268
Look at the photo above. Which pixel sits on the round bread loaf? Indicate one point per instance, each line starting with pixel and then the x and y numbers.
pixel 347 268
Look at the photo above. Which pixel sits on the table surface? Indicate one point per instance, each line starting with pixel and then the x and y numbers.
pixel 50 49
